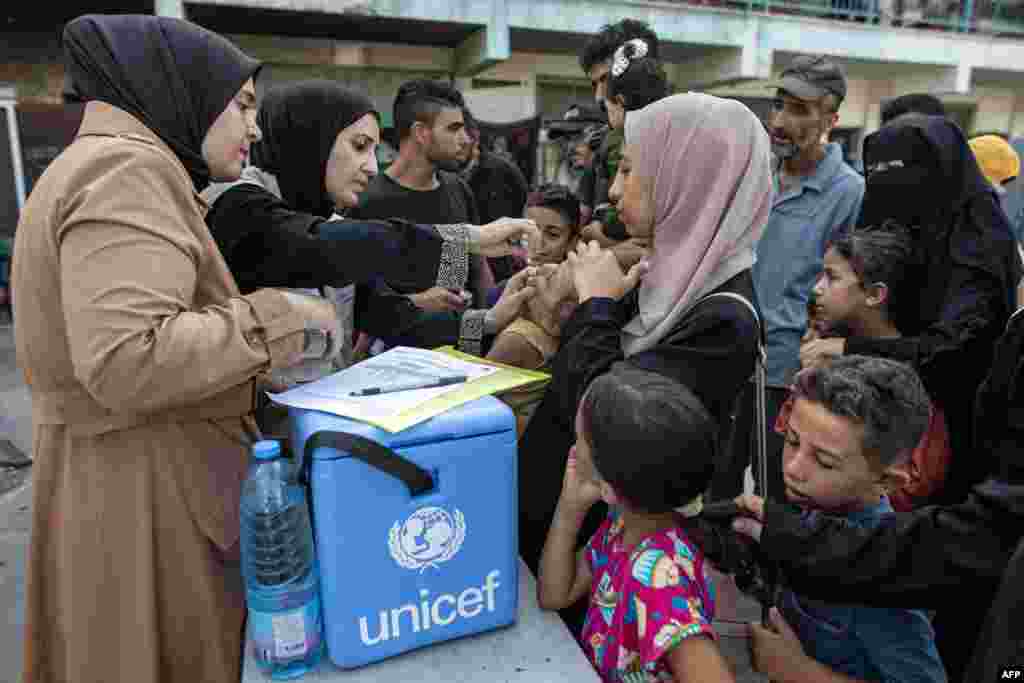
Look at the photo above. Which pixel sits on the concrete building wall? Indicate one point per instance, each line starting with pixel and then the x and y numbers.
pixel 1017 126
pixel 503 105
pixel 995 109
pixel 522 66
pixel 728 52
pixel 547 83
pixel 36 82
pixel 986 108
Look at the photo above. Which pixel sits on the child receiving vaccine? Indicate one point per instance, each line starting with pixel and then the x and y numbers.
pixel 646 446
pixel 864 277
pixel 531 340
pixel 850 426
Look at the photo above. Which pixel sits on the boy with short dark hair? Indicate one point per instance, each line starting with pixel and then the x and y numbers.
pixel 531 341
pixel 867 275
pixel 848 429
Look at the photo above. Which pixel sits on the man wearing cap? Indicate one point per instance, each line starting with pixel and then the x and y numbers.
pixel 817 195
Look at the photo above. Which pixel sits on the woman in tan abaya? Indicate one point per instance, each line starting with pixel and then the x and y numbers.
pixel 141 356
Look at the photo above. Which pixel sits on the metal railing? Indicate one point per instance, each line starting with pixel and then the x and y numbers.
pixel 844 10
pixel 989 17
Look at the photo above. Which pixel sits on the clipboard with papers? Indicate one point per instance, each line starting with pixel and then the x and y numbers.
pixel 400 410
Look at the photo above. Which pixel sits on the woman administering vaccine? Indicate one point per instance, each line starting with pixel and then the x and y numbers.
pixel 278 226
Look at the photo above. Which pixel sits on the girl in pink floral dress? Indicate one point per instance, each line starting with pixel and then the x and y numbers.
pixel 645 445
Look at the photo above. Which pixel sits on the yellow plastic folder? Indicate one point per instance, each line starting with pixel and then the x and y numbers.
pixel 507 378
pixel 395 412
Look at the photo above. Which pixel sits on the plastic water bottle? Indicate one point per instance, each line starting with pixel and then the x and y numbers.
pixel 279 566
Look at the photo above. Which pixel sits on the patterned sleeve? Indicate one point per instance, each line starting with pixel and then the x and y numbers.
pixel 669 602
pixel 453 270
pixel 471 332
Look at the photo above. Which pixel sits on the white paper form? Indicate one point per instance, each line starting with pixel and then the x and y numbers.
pixel 332 394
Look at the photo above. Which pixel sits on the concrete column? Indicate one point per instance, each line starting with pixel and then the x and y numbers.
pixel 1017 121
pixel 886 12
pixel 486 47
pixel 169 8
pixel 8 98
pixel 963 77
pixel 480 51
pixel 995 110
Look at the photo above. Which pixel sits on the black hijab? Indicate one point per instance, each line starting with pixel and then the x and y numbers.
pixel 174 76
pixel 300 122
pixel 922 174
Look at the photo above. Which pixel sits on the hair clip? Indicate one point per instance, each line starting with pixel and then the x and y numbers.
pixel 626 53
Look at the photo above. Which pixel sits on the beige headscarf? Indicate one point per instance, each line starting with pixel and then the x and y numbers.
pixel 709 162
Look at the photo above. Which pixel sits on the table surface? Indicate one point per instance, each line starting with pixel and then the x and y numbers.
pixel 537 647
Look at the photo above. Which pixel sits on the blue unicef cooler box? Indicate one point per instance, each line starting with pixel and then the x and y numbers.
pixel 416 532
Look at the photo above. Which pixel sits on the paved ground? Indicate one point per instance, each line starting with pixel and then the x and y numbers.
pixel 14 527
pixel 15 414
pixel 15 498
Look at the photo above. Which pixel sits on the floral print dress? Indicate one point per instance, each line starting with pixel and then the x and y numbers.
pixel 644 601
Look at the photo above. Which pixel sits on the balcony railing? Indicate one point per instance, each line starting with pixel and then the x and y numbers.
pixel 991 17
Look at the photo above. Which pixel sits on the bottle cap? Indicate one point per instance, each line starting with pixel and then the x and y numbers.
pixel 266 450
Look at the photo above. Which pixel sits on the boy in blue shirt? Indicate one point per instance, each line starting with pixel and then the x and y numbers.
pixel 849 429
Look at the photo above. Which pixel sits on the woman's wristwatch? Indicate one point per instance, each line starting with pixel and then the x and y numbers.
pixel 491 323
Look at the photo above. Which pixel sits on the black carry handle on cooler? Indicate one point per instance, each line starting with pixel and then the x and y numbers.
pixel 415 478
pixel 376 455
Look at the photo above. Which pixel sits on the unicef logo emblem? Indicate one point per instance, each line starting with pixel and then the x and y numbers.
pixel 428 538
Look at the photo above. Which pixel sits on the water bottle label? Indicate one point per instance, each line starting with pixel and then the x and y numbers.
pixel 289 634
pixel 284 636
